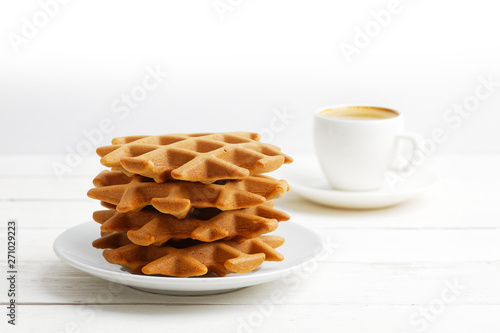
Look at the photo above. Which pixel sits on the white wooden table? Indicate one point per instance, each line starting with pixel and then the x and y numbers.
pixel 393 269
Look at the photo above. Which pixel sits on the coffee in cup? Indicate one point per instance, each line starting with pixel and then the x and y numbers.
pixel 357 145
pixel 359 112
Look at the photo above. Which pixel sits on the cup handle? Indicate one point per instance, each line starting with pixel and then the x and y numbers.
pixel 414 140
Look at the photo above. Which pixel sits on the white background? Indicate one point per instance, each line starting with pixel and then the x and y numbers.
pixel 230 74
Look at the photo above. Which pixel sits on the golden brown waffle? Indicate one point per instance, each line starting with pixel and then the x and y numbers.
pixel 152 227
pixel 111 240
pixel 199 157
pixel 221 257
pixel 179 197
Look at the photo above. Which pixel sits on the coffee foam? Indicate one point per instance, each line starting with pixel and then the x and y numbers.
pixel 359 112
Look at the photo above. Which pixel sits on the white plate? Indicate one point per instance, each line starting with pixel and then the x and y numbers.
pixel 74 246
pixel 306 179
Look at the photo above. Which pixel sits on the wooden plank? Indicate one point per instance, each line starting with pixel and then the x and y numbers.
pixel 250 318
pixel 48 214
pixel 374 245
pixel 328 282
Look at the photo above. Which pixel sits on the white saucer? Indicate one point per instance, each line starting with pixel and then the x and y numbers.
pixel 74 247
pixel 306 179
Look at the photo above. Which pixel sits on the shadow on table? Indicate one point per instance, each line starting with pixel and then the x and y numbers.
pixel 293 202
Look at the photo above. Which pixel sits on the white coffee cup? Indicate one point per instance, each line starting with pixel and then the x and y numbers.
pixel 357 145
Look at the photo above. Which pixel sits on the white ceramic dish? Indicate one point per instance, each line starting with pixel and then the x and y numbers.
pixel 74 247
pixel 306 179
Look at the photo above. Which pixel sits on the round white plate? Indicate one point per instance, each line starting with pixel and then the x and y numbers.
pixel 74 246
pixel 306 179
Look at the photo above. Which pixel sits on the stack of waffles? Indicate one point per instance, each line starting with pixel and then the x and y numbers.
pixel 189 204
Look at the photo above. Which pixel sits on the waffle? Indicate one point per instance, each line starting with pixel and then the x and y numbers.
pixel 220 258
pixel 178 198
pixel 111 240
pixel 200 157
pixel 152 227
